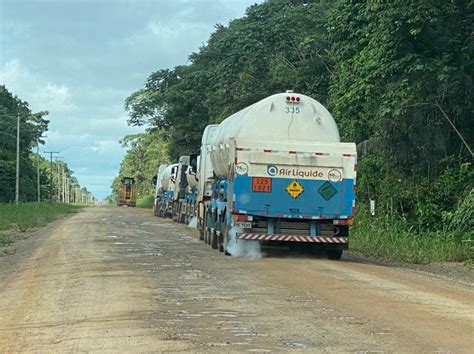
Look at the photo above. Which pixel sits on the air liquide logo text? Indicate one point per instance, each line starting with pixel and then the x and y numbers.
pixel 275 171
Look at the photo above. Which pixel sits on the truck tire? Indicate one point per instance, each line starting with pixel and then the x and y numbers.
pixel 220 245
pixel 202 227
pixel 207 236
pixel 214 239
pixel 334 254
pixel 223 239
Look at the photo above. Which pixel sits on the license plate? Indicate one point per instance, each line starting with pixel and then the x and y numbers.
pixel 261 184
pixel 243 224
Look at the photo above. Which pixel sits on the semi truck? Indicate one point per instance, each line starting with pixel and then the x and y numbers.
pixel 165 186
pixel 180 187
pixel 158 188
pixel 280 176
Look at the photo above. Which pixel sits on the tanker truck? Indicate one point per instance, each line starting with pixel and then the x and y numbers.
pixel 200 177
pixel 165 190
pixel 191 191
pixel 158 188
pixel 180 187
pixel 281 176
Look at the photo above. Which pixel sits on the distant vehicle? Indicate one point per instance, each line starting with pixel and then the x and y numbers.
pixel 127 194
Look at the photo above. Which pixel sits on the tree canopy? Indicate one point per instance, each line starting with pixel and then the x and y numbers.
pixel 397 77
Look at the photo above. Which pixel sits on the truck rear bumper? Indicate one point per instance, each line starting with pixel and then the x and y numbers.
pixel 292 238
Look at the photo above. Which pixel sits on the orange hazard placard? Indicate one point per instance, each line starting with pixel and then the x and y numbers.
pixel 261 184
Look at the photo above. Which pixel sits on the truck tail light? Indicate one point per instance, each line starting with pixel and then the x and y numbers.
pixel 240 217
pixel 346 222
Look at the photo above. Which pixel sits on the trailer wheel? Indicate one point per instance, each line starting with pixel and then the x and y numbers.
pixel 225 237
pixel 214 240
pixel 334 254
pixel 207 236
pixel 220 245
pixel 181 215
pixel 202 227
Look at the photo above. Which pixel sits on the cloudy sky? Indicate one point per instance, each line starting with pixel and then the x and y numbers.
pixel 79 59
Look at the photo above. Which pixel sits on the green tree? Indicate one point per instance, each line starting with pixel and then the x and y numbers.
pixel 32 126
pixel 403 91
pixel 146 152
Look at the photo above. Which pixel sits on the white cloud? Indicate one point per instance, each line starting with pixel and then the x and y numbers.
pixel 104 51
pixel 56 98
pixel 104 146
pixel 178 30
pixel 40 94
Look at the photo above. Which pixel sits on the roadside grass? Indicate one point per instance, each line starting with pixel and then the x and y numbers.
pixel 145 201
pixel 390 238
pixel 5 240
pixel 28 215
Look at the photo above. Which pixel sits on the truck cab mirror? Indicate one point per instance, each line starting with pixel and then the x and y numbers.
pixel 153 180
pixel 193 161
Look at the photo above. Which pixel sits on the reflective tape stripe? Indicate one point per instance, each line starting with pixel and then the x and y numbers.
pixel 291 238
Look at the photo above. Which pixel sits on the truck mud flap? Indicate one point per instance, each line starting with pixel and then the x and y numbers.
pixel 291 238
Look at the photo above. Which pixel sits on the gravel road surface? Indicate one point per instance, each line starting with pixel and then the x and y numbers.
pixel 112 279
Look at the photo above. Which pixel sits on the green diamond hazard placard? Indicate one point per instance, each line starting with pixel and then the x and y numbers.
pixel 294 189
pixel 327 190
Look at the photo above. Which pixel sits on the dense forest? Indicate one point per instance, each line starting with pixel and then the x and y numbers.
pixel 32 128
pixel 397 77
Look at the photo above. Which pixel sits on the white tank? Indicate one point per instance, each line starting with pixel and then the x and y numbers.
pixel 191 176
pixel 178 192
pixel 168 177
pixel 159 173
pixel 284 118
pixel 205 170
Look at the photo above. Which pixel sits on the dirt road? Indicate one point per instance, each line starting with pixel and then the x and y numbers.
pixel 121 280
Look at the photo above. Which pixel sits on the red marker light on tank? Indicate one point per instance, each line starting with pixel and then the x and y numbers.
pixel 293 99
pixel 297 99
pixel 288 98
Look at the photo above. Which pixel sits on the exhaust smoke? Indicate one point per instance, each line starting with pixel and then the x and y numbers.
pixel 193 223
pixel 242 248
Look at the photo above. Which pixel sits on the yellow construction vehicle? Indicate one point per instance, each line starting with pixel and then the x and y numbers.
pixel 127 194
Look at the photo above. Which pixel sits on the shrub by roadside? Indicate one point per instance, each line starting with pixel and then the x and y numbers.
pixel 145 201
pixel 392 238
pixel 28 215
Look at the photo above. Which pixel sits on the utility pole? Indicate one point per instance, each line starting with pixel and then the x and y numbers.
pixel 68 200
pixel 38 181
pixel 59 179
pixel 17 178
pixel 51 173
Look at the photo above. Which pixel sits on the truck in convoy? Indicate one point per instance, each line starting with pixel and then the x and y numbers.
pixel 127 193
pixel 180 187
pixel 280 175
pixel 158 187
pixel 164 194
pixel 197 186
